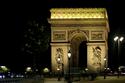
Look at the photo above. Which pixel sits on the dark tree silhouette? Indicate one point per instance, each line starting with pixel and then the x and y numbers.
pixel 36 39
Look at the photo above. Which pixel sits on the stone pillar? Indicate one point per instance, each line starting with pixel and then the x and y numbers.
pixel 96 52
pixel 59 49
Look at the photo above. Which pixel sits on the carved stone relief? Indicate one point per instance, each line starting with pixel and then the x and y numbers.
pixel 59 35
pixel 59 57
pixel 96 57
pixel 97 35
pixel 70 26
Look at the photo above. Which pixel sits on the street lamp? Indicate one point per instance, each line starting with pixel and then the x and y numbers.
pixel 118 39
pixel 105 68
pixel 69 56
pixel 58 69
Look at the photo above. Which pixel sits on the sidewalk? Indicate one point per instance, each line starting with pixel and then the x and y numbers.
pixel 54 80
pixel 100 79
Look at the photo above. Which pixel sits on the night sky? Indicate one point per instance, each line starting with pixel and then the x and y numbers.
pixel 14 16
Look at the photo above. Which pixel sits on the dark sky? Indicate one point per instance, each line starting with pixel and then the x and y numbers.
pixel 14 15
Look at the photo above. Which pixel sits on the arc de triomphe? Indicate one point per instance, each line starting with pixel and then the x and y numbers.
pixel 70 27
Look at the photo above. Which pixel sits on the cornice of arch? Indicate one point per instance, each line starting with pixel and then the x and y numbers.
pixel 73 13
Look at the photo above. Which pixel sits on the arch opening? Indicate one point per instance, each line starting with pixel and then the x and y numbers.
pixel 79 50
pixel 83 54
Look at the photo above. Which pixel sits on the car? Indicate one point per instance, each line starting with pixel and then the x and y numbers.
pixel 122 70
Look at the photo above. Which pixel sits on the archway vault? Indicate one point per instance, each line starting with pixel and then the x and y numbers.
pixel 80 34
pixel 70 26
pixel 75 42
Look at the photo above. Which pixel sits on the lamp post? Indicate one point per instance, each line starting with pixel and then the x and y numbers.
pixel 118 40
pixel 69 56
pixel 105 68
pixel 58 69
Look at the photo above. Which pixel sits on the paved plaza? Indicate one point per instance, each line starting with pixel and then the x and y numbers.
pixel 100 79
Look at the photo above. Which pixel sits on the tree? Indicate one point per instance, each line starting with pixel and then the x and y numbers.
pixel 36 38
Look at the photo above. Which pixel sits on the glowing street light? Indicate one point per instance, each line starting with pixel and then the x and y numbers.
pixel 29 69
pixel 104 59
pixel 3 69
pixel 86 69
pixel 118 40
pixel 105 68
pixel 58 69
pixel 121 39
pixel 69 56
pixel 58 59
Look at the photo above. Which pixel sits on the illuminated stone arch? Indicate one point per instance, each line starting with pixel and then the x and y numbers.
pixel 72 33
pixel 84 24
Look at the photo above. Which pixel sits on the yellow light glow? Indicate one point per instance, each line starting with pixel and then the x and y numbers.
pixel 28 69
pixel 45 70
pixel 4 68
pixel 86 69
pixel 76 13
pixel 105 59
pixel 58 69
pixel 58 59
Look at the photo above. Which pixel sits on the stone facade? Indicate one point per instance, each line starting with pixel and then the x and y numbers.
pixel 71 26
